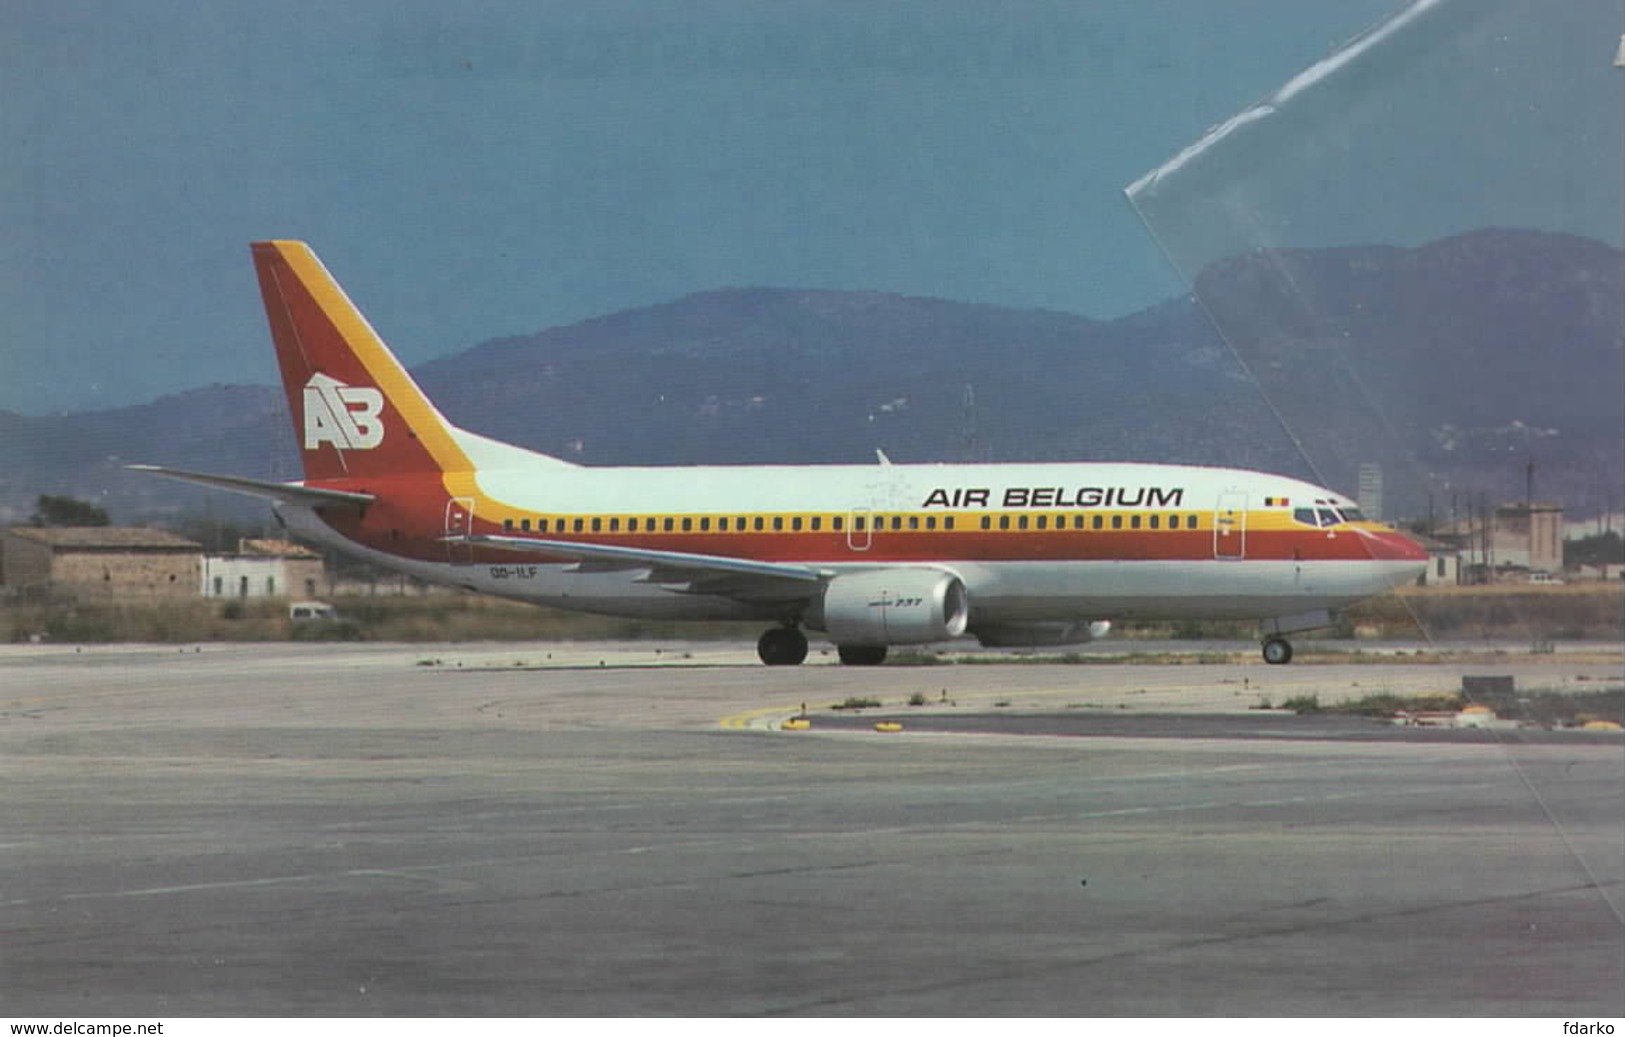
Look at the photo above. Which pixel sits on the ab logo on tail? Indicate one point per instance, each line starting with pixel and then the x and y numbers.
pixel 346 416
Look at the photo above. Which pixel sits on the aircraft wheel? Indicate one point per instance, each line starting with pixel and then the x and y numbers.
pixel 782 646
pixel 861 655
pixel 1277 650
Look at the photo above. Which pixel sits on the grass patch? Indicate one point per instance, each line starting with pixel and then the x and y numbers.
pixel 916 657
pixel 858 703
pixel 1539 707
pixel 1549 707
pixel 1385 704
pixel 171 622
pixel 427 618
pixel 1515 613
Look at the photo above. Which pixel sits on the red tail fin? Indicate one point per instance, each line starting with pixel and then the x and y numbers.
pixel 356 411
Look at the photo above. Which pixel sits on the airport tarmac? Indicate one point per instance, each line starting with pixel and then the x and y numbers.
pixel 619 829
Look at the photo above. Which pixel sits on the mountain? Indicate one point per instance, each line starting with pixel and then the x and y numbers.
pixel 770 375
pixel 1451 364
pixel 1456 363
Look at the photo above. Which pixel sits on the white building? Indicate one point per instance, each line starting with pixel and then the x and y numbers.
pixel 264 569
pixel 1369 496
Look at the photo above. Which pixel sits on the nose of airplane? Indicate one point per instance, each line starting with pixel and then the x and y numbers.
pixel 1392 545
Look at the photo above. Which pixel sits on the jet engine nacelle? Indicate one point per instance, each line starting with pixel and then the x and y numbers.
pixel 895 607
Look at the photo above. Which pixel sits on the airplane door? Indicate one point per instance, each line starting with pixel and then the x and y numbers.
pixel 859 529
pixel 1230 525
pixel 459 522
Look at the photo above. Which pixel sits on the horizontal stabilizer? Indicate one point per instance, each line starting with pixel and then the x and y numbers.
pixel 288 493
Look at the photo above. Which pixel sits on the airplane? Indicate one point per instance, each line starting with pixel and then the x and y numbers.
pixel 870 556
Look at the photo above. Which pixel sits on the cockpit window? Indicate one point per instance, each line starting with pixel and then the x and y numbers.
pixel 1321 516
pixel 1350 514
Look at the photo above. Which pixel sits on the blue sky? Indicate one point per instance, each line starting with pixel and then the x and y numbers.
pixel 476 170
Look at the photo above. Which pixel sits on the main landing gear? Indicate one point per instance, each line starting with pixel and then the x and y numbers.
pixel 787 646
pixel 782 646
pixel 861 655
pixel 1277 650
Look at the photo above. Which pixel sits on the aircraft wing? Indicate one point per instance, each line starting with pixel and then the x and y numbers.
pixel 742 578
pixel 282 492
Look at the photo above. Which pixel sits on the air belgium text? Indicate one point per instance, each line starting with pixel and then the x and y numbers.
pixel 1057 497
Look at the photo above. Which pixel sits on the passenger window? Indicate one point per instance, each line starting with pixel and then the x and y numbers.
pixel 631 525
pixel 914 522
pixel 578 525
pixel 1043 522
pixel 839 523
pixel 597 524
pixel 705 525
pixel 759 524
pixel 1004 521
pixel 947 522
pixel 669 525
pixel 1097 522
pixel 1134 522
pixel 507 525
pixel 930 522
pixel 817 523
pixel 722 524
pixel 795 524
pixel 524 525
pixel 897 522
pixel 987 522
pixel 1117 522
pixel 614 525
pixel 688 524
pixel 1021 522
pixel 778 523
